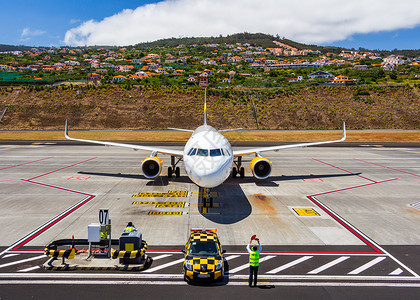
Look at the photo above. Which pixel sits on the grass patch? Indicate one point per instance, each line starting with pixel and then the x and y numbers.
pixel 291 136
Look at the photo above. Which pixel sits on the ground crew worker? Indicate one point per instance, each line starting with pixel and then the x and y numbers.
pixel 104 236
pixel 254 260
pixel 130 227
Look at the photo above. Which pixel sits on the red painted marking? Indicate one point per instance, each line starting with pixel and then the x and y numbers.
pixel 31 162
pixel 354 187
pixel 47 227
pixel 38 232
pixel 56 187
pixel 387 167
pixel 342 169
pixel 63 168
pixel 314 180
pixel 9 180
pixel 78 178
pixel 320 205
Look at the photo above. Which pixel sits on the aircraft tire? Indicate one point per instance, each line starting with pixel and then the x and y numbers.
pixel 234 172
pixel 170 172
pixel 177 172
pixel 242 172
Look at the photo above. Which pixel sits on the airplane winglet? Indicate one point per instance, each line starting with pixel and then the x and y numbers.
pixel 344 132
pixel 66 131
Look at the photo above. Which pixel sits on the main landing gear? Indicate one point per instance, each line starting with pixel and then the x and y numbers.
pixel 238 170
pixel 173 169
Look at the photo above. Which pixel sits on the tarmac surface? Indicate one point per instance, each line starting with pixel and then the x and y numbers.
pixel 334 222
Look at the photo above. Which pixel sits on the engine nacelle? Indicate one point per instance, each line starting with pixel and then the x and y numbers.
pixel 261 167
pixel 151 167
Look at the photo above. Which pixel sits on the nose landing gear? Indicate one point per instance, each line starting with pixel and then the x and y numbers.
pixel 207 199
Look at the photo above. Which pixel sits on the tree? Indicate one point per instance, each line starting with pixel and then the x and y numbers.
pixel 393 75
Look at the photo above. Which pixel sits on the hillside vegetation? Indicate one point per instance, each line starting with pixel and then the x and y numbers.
pixel 146 107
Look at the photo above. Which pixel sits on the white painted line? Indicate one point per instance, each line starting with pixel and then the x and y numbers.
pixel 165 252
pixel 397 271
pixel 164 266
pixel 262 253
pixel 118 276
pixel 237 283
pixel 231 257
pixel 22 261
pixel 289 265
pixel 366 266
pixel 33 233
pixel 115 276
pixel 329 265
pixel 240 268
pixel 9 255
pixel 160 256
pixel 366 237
pixel 29 269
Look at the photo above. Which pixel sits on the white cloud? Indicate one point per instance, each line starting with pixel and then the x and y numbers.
pixel 306 21
pixel 27 32
pixel 74 21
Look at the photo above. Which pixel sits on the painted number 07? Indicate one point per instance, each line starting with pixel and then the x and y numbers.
pixel 103 216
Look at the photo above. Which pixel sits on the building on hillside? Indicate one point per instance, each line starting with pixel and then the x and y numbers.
pixel 119 78
pixel 320 74
pixel 342 80
pixel 94 76
pixel 203 80
pixel 361 67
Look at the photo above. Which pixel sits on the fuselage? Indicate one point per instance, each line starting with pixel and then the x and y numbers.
pixel 208 157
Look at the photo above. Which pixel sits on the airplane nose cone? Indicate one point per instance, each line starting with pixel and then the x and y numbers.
pixel 209 175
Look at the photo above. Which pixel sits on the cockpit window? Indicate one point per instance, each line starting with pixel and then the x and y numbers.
pixel 192 151
pixel 215 152
pixel 226 152
pixel 202 152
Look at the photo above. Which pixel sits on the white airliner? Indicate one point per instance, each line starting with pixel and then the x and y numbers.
pixel 208 156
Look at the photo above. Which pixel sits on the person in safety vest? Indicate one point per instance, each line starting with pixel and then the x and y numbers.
pixel 254 260
pixel 130 227
pixel 104 235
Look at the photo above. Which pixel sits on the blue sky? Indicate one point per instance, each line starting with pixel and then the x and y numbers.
pixel 384 40
pixel 48 20
pixel 374 24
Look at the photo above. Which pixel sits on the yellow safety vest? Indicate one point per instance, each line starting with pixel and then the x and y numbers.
pixel 254 259
pixel 129 229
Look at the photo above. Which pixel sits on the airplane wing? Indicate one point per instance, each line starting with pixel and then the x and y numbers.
pixel 276 148
pixel 178 153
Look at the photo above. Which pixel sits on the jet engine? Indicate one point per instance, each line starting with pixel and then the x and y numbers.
pixel 151 167
pixel 260 167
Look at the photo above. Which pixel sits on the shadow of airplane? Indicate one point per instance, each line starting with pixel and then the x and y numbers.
pixel 159 181
pixel 164 180
pixel 272 180
pixel 231 204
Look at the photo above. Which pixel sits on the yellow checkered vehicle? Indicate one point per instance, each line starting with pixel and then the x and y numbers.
pixel 203 256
